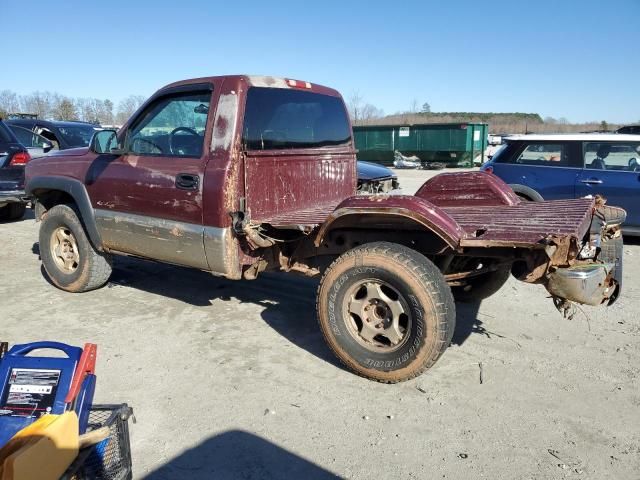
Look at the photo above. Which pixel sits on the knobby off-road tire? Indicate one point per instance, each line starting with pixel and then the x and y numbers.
pixel 482 286
pixel 69 258
pixel 12 211
pixel 386 311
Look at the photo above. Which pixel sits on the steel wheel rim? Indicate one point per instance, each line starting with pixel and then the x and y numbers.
pixel 64 250
pixel 377 316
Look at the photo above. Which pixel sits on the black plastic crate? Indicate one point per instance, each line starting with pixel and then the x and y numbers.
pixel 111 458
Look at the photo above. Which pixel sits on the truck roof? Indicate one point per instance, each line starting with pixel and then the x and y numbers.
pixel 55 123
pixel 261 81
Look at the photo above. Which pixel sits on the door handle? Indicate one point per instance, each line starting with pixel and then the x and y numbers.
pixel 592 181
pixel 187 181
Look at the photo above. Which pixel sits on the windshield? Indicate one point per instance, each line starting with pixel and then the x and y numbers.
pixel 77 135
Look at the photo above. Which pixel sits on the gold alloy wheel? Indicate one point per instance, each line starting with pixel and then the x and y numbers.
pixel 64 250
pixel 378 316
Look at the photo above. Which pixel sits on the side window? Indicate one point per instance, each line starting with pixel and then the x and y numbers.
pixel 48 134
pixel 622 156
pixel 278 119
pixel 172 126
pixel 28 138
pixel 544 154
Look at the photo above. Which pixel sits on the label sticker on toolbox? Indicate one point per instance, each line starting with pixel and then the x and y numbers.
pixel 31 392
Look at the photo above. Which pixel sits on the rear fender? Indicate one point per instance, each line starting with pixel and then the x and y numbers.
pixel 467 189
pixel 358 210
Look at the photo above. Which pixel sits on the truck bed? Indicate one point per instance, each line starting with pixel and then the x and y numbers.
pixel 524 224
pixel 308 217
pixel 475 208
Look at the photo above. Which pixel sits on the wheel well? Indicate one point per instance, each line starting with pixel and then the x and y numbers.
pixel 523 196
pixel 46 199
pixel 391 225
pixel 526 193
pixel 399 230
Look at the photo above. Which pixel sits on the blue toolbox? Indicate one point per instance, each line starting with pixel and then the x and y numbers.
pixel 32 386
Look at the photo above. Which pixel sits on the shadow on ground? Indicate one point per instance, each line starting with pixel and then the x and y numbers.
pixel 467 322
pixel 632 240
pixel 288 299
pixel 238 454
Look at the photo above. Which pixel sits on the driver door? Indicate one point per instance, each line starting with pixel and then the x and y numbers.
pixel 148 201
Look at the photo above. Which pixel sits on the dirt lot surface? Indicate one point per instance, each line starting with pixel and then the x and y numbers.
pixel 233 379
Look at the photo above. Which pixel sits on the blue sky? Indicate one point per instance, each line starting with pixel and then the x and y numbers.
pixel 563 58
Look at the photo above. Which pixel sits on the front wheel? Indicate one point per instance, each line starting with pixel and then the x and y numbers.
pixel 70 260
pixel 386 311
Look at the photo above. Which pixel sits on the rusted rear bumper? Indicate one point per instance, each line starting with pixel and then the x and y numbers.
pixel 586 284
pixel 595 278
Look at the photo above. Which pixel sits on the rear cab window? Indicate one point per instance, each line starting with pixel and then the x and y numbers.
pixel 614 156
pixel 282 119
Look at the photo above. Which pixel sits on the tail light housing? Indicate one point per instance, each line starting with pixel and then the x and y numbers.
pixel 488 169
pixel 20 158
pixel 298 83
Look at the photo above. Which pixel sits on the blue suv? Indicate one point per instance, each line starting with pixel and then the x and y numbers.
pixel 549 167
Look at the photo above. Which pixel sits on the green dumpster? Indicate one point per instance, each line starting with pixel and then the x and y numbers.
pixel 451 144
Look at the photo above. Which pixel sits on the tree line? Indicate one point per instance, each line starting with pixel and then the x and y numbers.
pixel 364 113
pixel 54 106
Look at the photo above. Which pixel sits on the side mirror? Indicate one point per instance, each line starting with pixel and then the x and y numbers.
pixel 106 141
pixel 46 147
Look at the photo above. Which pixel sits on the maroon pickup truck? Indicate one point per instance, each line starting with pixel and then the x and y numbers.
pixel 237 175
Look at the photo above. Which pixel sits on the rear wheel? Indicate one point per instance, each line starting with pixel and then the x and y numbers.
pixel 68 257
pixel 13 211
pixel 386 311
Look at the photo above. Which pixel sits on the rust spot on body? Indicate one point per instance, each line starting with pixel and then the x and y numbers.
pixel 176 232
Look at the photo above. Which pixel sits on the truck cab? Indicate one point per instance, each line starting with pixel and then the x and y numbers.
pixel 259 150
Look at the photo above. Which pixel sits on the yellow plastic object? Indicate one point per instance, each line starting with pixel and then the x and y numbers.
pixel 41 451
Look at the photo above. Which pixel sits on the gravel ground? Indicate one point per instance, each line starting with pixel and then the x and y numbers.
pixel 233 380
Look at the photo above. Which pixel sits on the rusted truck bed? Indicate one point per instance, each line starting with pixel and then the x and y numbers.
pixel 474 209
pixel 311 216
pixel 522 224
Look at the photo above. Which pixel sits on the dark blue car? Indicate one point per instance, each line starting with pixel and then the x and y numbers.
pixel 548 167
pixel 374 178
pixel 13 157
